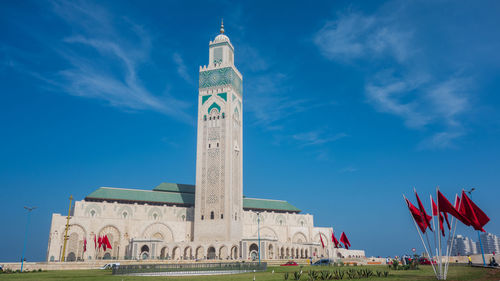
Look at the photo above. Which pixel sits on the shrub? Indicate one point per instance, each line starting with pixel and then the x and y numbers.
pixel 297 275
pixel 395 264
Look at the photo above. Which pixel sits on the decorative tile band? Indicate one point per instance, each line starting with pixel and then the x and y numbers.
pixel 221 77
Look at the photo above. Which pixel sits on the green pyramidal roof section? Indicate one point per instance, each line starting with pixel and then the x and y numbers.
pixel 179 194
pixel 175 187
pixel 268 204
pixel 137 195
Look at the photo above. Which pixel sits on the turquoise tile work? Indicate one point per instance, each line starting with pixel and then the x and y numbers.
pixel 221 77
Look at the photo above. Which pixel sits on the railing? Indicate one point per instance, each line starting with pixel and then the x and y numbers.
pixel 194 267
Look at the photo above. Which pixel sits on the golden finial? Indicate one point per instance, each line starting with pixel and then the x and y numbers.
pixel 222 26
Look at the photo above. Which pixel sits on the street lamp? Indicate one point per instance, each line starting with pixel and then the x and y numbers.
pixel 26 234
pixel 478 235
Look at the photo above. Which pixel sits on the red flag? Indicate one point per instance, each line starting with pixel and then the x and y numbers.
pixel 445 206
pixel 426 218
pixel 99 241
pixel 435 212
pixel 335 241
pixel 106 241
pixel 475 215
pixel 457 202
pixel 322 243
pixel 85 245
pixel 417 216
pixel 343 239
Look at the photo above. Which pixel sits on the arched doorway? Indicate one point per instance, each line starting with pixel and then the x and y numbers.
pixel 234 252
pixel 164 253
pixel 71 257
pixel 188 253
pixel 270 252
pixel 223 252
pixel 199 253
pixel 211 253
pixel 107 256
pixel 176 253
pixel 254 251
pixel 145 252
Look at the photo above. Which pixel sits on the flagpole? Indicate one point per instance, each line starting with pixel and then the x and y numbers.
pixel 422 214
pixel 439 234
pixel 453 237
pixel 478 236
pixel 420 235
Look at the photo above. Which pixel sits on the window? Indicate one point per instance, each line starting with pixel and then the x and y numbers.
pixel 92 213
pixel 235 216
pixel 221 216
pixel 183 217
pixel 202 217
pixel 155 216
pixel 212 215
pixel 223 115
pixel 217 144
pixel 204 118
pixel 124 215
pixel 208 145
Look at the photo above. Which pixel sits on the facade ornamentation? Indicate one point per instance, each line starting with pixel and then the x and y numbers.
pixel 210 221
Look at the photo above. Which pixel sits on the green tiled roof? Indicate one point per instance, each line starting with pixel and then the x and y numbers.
pixel 180 194
pixel 175 187
pixel 267 204
pixel 137 195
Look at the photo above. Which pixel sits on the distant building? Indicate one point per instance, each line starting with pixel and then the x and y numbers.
pixel 463 246
pixel 491 243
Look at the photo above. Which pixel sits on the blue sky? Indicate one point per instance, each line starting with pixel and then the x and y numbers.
pixel 347 105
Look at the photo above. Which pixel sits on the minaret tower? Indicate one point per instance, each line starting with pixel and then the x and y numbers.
pixel 219 171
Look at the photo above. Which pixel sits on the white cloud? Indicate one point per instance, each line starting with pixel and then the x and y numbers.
pixel 182 68
pixel 102 56
pixel 353 36
pixel 408 89
pixel 317 137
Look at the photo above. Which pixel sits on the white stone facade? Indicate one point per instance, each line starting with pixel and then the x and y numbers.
pixel 217 226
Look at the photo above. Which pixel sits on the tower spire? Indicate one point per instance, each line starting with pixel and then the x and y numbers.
pixel 222 26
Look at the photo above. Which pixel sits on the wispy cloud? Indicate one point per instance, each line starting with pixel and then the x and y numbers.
pixel 269 101
pixel 348 169
pixel 102 57
pixel 407 89
pixel 317 137
pixel 182 68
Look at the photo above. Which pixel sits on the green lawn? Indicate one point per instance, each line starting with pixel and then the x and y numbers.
pixel 424 273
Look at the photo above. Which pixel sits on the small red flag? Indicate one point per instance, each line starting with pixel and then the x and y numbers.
pixel 426 218
pixel 343 239
pixel 441 219
pixel 321 238
pixel 99 241
pixel 475 215
pixel 417 216
pixel 335 241
pixel 446 207
pixel 108 245
pixel 85 245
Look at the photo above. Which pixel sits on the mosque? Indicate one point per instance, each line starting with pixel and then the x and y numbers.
pixel 209 220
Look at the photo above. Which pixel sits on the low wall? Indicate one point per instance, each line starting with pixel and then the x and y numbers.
pixel 95 264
